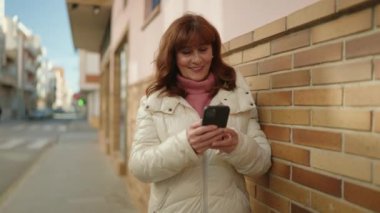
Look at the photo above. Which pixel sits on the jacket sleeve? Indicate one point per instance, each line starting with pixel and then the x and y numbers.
pixel 252 155
pixel 152 160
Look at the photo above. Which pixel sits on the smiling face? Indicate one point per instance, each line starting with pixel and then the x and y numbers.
pixel 194 61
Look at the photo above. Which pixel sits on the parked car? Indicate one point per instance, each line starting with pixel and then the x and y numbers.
pixel 39 114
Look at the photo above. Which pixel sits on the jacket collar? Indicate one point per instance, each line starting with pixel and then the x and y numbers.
pixel 238 100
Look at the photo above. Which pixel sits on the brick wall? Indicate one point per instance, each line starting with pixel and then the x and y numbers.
pixel 315 76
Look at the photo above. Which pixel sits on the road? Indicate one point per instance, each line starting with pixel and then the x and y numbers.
pixel 21 143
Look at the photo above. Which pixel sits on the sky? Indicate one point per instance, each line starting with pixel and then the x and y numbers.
pixel 49 20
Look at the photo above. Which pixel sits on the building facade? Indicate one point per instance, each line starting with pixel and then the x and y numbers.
pixel 313 67
pixel 63 96
pixel 89 67
pixel 21 61
pixel 46 86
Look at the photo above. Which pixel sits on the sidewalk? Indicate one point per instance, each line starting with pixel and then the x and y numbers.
pixel 73 176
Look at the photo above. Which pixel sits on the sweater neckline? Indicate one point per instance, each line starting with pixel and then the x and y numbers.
pixel 197 87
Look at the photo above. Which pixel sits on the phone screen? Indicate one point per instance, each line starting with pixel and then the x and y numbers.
pixel 216 115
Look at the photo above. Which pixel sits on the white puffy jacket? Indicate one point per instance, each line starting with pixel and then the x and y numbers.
pixel 183 181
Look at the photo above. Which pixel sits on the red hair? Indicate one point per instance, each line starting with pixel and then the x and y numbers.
pixel 185 31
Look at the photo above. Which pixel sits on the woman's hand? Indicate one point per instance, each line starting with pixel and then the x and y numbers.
pixel 201 137
pixel 228 141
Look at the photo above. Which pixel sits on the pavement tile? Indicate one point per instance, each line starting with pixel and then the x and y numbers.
pixel 72 176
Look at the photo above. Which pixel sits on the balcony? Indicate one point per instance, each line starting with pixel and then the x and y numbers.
pixel 8 77
pixel 11 42
pixel 33 48
pixel 31 66
pixel 11 53
pixel 29 87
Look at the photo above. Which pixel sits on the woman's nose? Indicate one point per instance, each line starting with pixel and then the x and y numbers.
pixel 195 57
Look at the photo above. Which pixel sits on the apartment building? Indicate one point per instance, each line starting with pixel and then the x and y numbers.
pixel 18 74
pixel 63 96
pixel 313 67
pixel 46 85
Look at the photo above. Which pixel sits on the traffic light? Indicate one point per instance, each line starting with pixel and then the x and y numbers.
pixel 81 102
pixel 79 99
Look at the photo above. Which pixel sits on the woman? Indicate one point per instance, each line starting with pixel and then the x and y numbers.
pixel 195 168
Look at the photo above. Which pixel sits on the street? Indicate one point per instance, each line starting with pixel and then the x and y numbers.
pixel 21 143
pixel 57 166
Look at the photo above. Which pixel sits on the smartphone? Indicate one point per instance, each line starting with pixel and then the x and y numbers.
pixel 217 115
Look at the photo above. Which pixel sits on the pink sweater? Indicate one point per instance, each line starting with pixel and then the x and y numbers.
pixel 198 92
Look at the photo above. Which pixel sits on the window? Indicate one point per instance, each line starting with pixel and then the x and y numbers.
pixel 152 9
pixel 155 3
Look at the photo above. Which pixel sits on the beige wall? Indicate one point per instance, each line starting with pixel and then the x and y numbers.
pixel 89 64
pixel 232 18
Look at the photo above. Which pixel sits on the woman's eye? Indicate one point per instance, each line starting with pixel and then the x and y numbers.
pixel 203 49
pixel 185 51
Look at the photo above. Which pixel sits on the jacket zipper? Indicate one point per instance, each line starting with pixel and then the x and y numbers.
pixel 204 180
pixel 204 202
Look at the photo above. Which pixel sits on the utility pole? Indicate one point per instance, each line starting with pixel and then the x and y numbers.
pixel 20 76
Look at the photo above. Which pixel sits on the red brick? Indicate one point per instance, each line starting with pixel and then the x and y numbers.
pixel 319 139
pixel 276 64
pixel 291 153
pixel 291 190
pixel 376 121
pixel 283 98
pixel 241 41
pixel 342 164
pixel 280 169
pixel 259 82
pixel 362 95
pixel 321 202
pixel 363 196
pixel 264 115
pixel 318 97
pixel 343 26
pixel 376 173
pixel 342 118
pixel 259 207
pixel 317 181
pixel 349 72
pixel 256 52
pixel 291 42
pixel 291 116
pixel 234 58
pixel 291 79
pixel 270 29
pixel 317 55
pixel 345 4
pixel 262 180
pixel 377 69
pixel 299 209
pixel 248 69
pixel 367 145
pixel 276 132
pixel 273 200
pixel 311 13
pixel 366 45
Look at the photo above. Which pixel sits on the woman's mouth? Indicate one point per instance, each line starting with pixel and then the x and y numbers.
pixel 196 69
